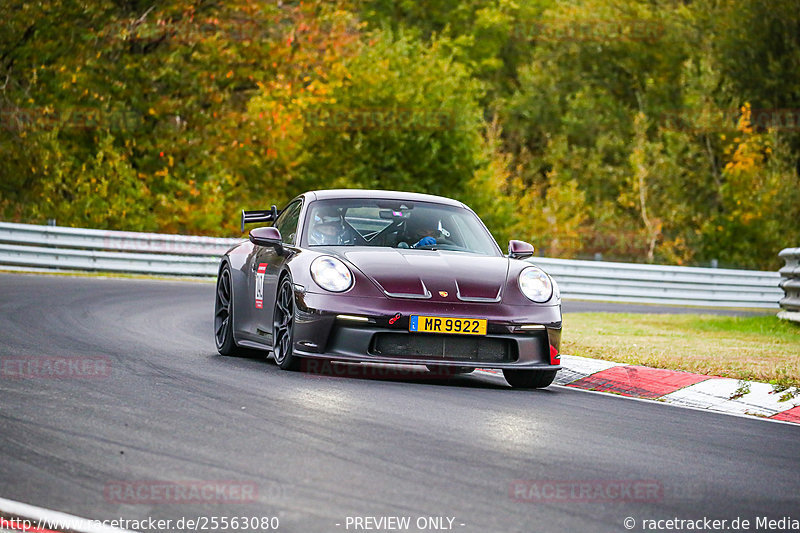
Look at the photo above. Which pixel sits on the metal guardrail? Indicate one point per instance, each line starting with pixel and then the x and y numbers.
pixel 661 284
pixel 52 247
pixel 128 241
pixel 790 283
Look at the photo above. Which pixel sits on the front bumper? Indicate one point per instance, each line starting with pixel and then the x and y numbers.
pixel 381 336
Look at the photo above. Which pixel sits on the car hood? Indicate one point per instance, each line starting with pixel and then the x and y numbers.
pixel 408 273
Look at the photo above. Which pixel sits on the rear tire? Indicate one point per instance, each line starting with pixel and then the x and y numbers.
pixel 529 379
pixel 283 327
pixel 223 314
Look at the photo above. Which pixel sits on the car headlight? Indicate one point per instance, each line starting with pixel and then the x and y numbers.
pixel 535 284
pixel 331 274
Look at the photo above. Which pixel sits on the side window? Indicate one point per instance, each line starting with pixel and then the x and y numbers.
pixel 287 222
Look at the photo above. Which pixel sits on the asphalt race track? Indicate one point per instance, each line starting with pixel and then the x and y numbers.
pixel 321 448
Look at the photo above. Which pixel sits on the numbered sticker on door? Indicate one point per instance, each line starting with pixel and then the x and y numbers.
pixel 262 268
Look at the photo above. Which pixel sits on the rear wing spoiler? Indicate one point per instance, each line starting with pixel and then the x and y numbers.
pixel 268 215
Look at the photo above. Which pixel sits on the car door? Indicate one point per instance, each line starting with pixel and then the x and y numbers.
pixel 265 269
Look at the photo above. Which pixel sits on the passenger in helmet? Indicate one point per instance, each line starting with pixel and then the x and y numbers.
pixel 422 230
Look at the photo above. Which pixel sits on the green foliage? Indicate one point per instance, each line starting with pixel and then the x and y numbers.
pixel 395 115
pixel 110 115
pixel 757 45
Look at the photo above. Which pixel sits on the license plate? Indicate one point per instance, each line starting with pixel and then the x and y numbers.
pixel 441 324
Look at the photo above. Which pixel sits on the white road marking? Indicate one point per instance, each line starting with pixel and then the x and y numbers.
pixel 716 393
pixel 52 520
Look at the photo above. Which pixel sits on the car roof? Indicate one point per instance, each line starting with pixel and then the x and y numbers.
pixel 379 194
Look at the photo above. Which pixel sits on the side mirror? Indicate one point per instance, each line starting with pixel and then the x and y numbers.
pixel 519 249
pixel 267 237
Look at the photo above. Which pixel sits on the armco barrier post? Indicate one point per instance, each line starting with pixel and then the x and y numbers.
pixel 790 283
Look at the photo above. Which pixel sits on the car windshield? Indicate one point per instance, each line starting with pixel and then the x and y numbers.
pixel 397 224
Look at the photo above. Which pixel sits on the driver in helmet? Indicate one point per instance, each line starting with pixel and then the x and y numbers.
pixel 327 228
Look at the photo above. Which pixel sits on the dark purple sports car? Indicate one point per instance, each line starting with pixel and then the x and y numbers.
pixel 387 277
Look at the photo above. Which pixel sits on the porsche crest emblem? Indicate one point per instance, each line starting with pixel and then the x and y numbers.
pixel 443 294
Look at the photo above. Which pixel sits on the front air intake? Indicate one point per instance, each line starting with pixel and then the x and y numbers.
pixel 445 347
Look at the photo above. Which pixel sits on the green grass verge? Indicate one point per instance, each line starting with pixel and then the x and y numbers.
pixel 759 348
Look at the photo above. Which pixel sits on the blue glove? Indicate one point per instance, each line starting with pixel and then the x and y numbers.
pixel 425 241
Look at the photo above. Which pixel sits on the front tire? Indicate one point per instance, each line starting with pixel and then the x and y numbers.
pixel 529 379
pixel 223 314
pixel 283 327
